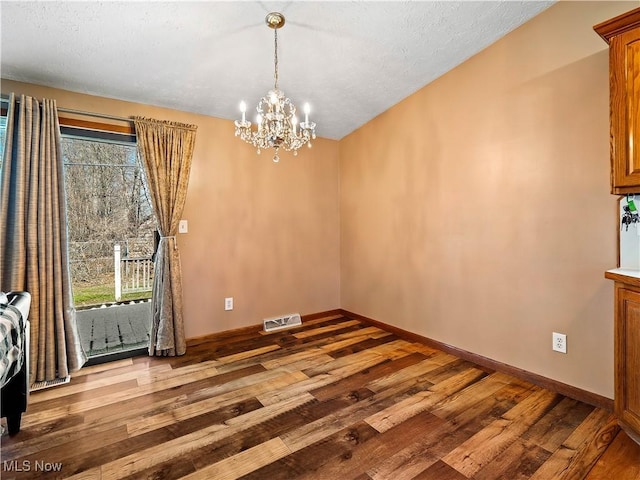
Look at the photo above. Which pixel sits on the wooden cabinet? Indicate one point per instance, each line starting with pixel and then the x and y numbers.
pixel 622 33
pixel 627 349
pixel 627 358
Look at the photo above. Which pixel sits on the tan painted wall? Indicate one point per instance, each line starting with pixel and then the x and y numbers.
pixel 476 212
pixel 266 234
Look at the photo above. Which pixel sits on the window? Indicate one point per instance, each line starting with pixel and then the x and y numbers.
pixel 111 228
pixel 108 205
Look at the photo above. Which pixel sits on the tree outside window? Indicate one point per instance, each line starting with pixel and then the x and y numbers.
pixel 107 205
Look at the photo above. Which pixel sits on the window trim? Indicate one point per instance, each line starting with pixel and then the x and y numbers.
pixel 73 127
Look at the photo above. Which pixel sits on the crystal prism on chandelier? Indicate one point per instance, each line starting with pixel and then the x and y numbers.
pixel 278 125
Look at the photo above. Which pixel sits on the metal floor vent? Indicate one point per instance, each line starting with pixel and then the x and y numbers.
pixel 285 321
pixel 49 383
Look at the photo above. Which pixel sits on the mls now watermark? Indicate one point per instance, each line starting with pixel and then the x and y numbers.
pixel 29 466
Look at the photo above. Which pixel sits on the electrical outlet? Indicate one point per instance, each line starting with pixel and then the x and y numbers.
pixel 559 342
pixel 228 303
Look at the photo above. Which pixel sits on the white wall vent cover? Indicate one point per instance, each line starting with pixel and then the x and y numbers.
pixel 285 321
pixel 49 383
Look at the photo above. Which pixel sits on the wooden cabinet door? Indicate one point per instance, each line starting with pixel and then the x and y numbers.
pixel 625 112
pixel 627 359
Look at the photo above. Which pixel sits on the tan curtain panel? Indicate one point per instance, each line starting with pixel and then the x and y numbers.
pixel 33 240
pixel 166 149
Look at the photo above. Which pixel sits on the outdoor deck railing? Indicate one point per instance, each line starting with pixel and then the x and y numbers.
pixel 132 274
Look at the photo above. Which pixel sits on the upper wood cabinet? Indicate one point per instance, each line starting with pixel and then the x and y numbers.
pixel 622 33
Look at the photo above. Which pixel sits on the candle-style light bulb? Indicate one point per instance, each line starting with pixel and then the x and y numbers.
pixel 259 122
pixel 307 109
pixel 294 122
pixel 243 109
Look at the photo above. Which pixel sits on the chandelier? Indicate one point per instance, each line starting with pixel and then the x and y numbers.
pixel 277 124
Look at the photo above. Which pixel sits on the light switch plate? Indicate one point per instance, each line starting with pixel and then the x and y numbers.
pixel 183 226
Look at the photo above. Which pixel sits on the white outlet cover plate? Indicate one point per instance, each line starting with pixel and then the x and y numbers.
pixel 183 226
pixel 559 342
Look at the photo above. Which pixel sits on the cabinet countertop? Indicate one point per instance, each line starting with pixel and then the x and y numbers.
pixel 624 275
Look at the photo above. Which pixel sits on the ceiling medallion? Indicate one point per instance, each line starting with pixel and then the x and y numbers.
pixel 277 124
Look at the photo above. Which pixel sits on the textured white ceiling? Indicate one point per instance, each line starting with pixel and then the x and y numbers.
pixel 350 60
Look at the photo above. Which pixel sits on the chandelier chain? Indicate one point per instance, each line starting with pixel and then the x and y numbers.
pixel 275 58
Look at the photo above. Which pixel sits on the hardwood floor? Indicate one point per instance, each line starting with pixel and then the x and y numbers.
pixel 333 399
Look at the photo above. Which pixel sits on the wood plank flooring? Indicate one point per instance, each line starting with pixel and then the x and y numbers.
pixel 333 399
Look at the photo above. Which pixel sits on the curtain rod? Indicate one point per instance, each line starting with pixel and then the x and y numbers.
pixel 5 99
